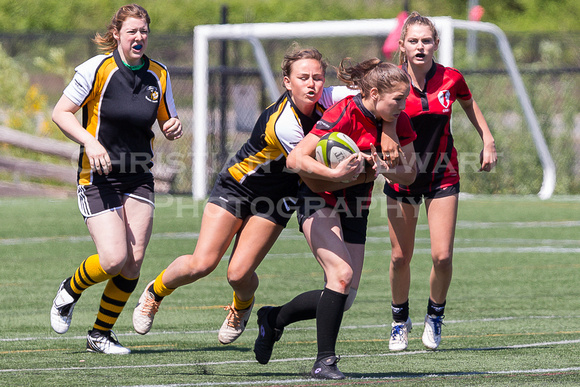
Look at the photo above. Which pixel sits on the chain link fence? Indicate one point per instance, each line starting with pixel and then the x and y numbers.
pixel 237 95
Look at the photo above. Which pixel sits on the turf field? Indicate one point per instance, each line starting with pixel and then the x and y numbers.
pixel 512 317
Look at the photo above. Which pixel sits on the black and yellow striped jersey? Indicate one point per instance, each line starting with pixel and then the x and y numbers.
pixel 119 108
pixel 260 164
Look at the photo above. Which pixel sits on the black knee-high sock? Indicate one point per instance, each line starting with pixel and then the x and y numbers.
pixel 328 319
pixel 302 307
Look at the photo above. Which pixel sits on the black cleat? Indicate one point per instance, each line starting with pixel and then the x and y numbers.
pixel 267 336
pixel 327 369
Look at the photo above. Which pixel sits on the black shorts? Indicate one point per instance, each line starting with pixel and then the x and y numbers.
pixel 94 200
pixel 242 203
pixel 418 199
pixel 352 206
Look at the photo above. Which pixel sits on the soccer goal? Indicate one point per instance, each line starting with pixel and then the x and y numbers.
pixel 260 37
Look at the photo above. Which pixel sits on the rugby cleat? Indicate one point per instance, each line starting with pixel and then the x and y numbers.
pixel 267 336
pixel 327 369
pixel 432 332
pixel 399 335
pixel 104 342
pixel 145 311
pixel 62 309
pixel 234 324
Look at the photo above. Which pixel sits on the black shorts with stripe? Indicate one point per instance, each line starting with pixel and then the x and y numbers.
pixel 418 199
pixel 96 199
pixel 243 203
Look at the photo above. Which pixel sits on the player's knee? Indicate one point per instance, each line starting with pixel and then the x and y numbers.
pixel 442 261
pixel 350 299
pixel 199 268
pixel 401 260
pixel 113 263
pixel 240 276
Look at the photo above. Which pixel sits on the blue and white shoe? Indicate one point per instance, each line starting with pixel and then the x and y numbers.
pixel 399 335
pixel 432 332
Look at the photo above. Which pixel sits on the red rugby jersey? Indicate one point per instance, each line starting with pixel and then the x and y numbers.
pixel 430 112
pixel 350 116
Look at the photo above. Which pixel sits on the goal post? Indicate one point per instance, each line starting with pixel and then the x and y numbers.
pixel 254 33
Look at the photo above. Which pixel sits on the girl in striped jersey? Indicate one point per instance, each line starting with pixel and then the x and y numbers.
pixel 434 88
pixel 252 199
pixel 122 93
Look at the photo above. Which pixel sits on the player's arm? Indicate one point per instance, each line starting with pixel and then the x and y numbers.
pixel 317 185
pixel 301 160
pixel 64 117
pixel 488 156
pixel 390 146
pixel 406 171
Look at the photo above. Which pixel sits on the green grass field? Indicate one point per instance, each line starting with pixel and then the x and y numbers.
pixel 512 316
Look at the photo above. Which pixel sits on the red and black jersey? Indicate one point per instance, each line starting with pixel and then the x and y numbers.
pixel 352 118
pixel 430 112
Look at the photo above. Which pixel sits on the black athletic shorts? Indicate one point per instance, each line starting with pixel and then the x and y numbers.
pixel 418 199
pixel 242 203
pixel 96 199
pixel 352 206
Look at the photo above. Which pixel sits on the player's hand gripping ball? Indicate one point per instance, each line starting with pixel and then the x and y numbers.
pixel 334 147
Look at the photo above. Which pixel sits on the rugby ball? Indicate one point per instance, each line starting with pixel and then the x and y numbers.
pixel 334 147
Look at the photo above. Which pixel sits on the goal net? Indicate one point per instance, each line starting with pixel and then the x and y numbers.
pixel 237 74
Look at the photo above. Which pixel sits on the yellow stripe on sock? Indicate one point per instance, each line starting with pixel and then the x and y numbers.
pixel 90 272
pixel 113 301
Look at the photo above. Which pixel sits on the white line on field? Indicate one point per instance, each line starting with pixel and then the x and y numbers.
pixel 409 353
pixel 291 233
pixel 378 326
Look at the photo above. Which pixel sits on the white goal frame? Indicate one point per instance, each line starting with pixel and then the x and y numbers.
pixel 253 32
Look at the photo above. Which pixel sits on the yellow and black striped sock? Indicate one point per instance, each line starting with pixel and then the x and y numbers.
pixel 90 272
pixel 115 296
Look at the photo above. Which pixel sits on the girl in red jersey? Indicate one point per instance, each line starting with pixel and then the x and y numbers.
pixel 434 88
pixel 333 214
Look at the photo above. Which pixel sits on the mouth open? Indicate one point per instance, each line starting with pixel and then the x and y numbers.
pixel 138 47
pixel 420 56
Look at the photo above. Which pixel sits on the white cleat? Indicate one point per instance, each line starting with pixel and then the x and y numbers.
pixel 145 311
pixel 62 309
pixel 399 335
pixel 234 324
pixel 432 332
pixel 103 342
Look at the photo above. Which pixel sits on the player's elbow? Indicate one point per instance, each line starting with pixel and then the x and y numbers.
pixel 291 162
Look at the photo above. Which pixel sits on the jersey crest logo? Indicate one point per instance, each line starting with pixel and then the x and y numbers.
pixel 153 94
pixel 444 98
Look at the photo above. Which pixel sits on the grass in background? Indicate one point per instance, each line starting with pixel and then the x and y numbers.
pixel 512 312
